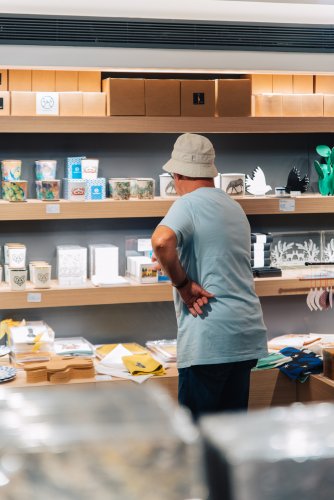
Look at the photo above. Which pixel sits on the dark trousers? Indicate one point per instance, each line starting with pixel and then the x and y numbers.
pixel 215 388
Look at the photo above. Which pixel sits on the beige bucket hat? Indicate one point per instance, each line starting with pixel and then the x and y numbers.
pixel 193 156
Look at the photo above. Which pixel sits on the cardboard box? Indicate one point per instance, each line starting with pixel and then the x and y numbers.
pixel 4 103
pixel 198 97
pixel 47 103
pixel 94 103
pixel 312 105
pixel 19 79
pixel 89 81
pixel 329 105
pixel 234 97
pixel 70 103
pixel 268 105
pixel 163 97
pixel 125 96
pixel 324 84
pixel 43 80
pixel 261 84
pixel 23 103
pixel 3 79
pixel 282 84
pixel 291 105
pixel 302 84
pixel 66 81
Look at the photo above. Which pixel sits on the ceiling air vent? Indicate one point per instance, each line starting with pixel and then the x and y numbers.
pixel 168 34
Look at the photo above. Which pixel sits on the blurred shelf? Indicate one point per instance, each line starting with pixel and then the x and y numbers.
pixel 303 204
pixel 164 124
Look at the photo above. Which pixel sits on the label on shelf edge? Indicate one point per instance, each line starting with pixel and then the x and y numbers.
pixel 34 297
pixel 53 208
pixel 287 205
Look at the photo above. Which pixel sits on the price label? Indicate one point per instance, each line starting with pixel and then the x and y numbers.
pixel 34 297
pixel 53 208
pixel 287 205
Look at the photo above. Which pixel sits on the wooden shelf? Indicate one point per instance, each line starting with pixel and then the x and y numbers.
pixel 87 295
pixel 111 209
pixel 164 124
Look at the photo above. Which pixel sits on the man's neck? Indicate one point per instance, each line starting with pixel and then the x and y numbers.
pixel 188 186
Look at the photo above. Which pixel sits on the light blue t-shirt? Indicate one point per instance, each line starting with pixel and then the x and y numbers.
pixel 214 245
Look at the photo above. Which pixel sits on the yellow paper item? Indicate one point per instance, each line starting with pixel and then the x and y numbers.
pixel 143 364
pixel 5 327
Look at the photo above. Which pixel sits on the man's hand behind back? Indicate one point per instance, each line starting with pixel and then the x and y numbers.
pixel 195 297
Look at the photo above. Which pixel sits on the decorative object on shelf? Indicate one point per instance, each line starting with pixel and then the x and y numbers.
pixel 89 168
pixel 17 279
pixel 11 170
pixel 42 275
pixel 145 188
pixel 45 170
pixel 167 187
pixel 71 265
pixel 7 373
pixel 256 183
pixel 74 189
pixel 119 189
pixel 280 191
pixel 233 184
pixel 294 249
pixel 73 167
pixel 325 171
pixel 48 190
pixel 59 370
pixel 95 189
pixel 295 182
pixel 14 190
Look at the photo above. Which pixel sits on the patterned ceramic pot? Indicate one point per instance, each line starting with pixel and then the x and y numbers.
pixel 14 191
pixel 45 170
pixel 11 170
pixel 119 189
pixel 47 190
pixel 145 188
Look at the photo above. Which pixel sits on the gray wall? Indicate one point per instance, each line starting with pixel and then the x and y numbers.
pixel 143 155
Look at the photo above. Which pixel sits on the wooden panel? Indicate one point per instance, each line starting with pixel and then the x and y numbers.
pixel 108 209
pixel 88 295
pixel 165 124
pixel 304 204
pixel 316 388
pixel 270 388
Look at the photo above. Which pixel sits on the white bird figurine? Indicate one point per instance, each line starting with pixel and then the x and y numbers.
pixel 256 183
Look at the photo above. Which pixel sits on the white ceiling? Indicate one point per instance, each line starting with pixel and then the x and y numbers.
pixel 307 11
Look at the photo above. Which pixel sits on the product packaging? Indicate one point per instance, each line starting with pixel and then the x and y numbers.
pixel 145 188
pixel 163 97
pixel 94 104
pixel 104 265
pixel 11 170
pixel 45 170
pixel 23 103
pixel 71 265
pixel 66 81
pixel 73 167
pixel 47 103
pixel 42 275
pixel 43 80
pixel 70 103
pixel 48 190
pixel 89 81
pixel 282 84
pixel 3 80
pixel 17 279
pixel 119 189
pixel 15 255
pixel 125 96
pixel 89 168
pixel 14 191
pixel 95 189
pixel 198 98
pixel 234 97
pixel 74 189
pixel 19 80
pixel 233 184
pixel 141 268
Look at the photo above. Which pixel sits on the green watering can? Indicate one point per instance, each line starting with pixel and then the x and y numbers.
pixel 325 171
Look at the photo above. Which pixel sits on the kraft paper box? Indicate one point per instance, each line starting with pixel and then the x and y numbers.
pixel 67 81
pixel 313 105
pixel 261 83
pixel 94 104
pixel 162 97
pixel 268 105
pixel 324 84
pixel 71 265
pixel 282 84
pixel 329 105
pixel 23 103
pixel 70 103
pixel 291 105
pixel 73 167
pixel 198 98
pixel 89 81
pixel 19 79
pixel 43 80
pixel 234 97
pixel 74 189
pixel 3 79
pixel 47 103
pixel 302 84
pixel 125 96
pixel 95 189
pixel 4 103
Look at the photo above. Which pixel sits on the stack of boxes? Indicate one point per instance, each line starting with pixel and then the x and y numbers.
pixel 15 265
pixel 12 187
pixel 104 265
pixel 82 181
pixel 260 250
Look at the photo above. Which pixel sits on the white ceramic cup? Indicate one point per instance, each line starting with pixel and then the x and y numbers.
pixel 167 187
pixel 18 279
pixel 233 184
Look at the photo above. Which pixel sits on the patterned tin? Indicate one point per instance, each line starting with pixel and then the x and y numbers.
pixel 73 167
pixel 74 189
pixel 96 189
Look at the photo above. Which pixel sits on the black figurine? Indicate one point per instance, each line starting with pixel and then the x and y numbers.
pixel 295 183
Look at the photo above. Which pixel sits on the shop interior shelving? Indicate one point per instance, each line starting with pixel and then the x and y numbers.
pixel 165 124
pixel 157 207
pixel 57 296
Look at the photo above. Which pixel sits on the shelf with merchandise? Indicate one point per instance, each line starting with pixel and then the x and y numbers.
pixel 112 209
pixel 165 124
pixel 133 292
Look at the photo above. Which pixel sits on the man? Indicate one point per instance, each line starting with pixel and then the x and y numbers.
pixel 203 244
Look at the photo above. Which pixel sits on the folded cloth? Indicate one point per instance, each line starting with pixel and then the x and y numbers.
pixel 303 364
pixel 142 364
pixel 273 360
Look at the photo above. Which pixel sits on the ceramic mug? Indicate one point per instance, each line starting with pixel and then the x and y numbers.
pixel 167 187
pixel 233 184
pixel 42 275
pixel 119 189
pixel 17 279
pixel 11 170
pixel 32 265
pixel 145 188
pixel 45 170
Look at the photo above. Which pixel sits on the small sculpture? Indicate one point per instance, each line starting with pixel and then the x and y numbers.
pixel 325 171
pixel 256 183
pixel 295 182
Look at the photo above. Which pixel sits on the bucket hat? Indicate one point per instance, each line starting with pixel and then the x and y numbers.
pixel 193 156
